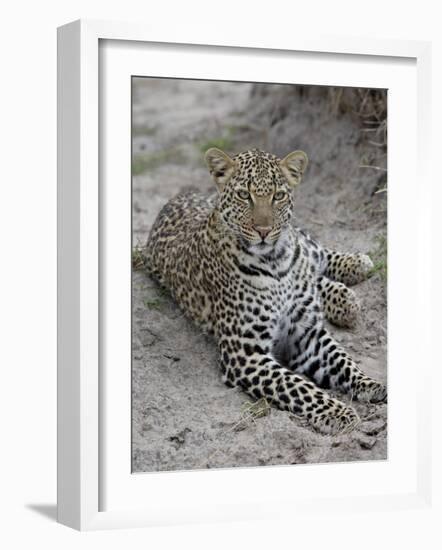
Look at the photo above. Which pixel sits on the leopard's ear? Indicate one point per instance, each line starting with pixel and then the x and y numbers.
pixel 221 166
pixel 293 167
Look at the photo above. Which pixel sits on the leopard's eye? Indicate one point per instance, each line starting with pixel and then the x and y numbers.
pixel 244 195
pixel 279 195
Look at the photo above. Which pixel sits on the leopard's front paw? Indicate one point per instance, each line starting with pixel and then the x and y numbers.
pixel 370 391
pixel 335 418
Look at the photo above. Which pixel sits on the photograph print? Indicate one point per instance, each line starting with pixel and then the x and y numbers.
pixel 259 274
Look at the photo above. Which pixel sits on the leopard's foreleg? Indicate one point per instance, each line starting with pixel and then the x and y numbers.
pixel 323 360
pixel 254 369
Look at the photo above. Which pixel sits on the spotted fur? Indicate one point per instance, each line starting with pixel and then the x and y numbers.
pixel 238 266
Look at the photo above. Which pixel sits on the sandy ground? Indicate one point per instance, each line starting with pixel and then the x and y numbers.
pixel 184 417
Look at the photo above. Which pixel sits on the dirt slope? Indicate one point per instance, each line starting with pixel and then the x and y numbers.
pixel 183 415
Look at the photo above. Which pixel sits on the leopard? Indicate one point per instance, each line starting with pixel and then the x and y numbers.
pixel 238 265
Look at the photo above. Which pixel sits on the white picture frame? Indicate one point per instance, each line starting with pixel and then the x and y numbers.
pixel 81 394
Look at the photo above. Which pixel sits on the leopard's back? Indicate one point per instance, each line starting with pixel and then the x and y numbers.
pixel 175 252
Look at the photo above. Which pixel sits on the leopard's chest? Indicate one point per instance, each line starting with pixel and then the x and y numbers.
pixel 272 292
pixel 274 297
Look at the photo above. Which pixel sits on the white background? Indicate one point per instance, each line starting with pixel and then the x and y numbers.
pixel 259 487
pixel 28 276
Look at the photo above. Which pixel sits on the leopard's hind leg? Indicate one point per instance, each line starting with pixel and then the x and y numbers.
pixel 346 268
pixel 340 304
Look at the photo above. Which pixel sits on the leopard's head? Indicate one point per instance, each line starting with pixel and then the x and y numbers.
pixel 255 194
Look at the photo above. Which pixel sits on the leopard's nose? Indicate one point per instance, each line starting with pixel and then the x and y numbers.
pixel 263 231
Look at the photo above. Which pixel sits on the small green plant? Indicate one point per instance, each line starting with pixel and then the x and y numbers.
pixel 148 161
pixel 379 257
pixel 224 142
pixel 143 131
pixel 158 300
pixel 153 303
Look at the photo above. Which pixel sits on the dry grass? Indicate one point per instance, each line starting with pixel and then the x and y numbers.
pixel 368 105
pixel 138 258
pixel 250 412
